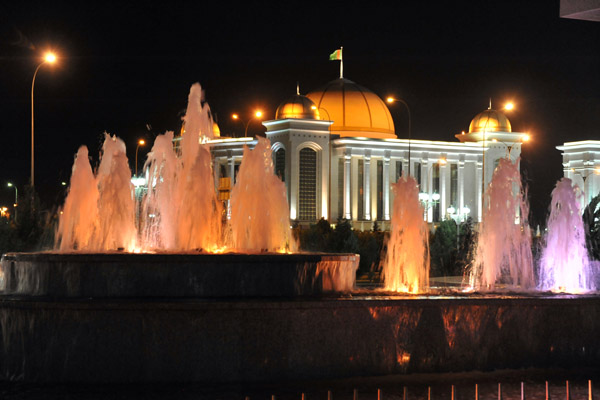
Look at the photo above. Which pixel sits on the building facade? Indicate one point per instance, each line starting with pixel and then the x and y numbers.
pixel 581 164
pixel 337 152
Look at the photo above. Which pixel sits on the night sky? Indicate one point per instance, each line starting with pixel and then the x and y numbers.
pixel 126 65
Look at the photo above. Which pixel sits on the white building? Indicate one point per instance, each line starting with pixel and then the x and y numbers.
pixel 581 164
pixel 337 151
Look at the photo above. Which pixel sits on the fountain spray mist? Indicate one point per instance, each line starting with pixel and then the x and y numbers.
pixel 79 216
pixel 564 265
pixel 99 211
pixel 406 265
pixel 503 254
pixel 181 210
pixel 260 216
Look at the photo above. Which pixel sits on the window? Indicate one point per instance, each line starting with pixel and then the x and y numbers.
pixel 398 170
pixel 280 164
pixel 435 186
pixel 308 185
pixel 416 173
pixel 454 185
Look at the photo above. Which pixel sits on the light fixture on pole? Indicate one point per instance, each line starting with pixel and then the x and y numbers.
pixel 50 58
pixel 140 142
pixel 257 115
pixel 10 184
pixel 507 107
pixel 391 100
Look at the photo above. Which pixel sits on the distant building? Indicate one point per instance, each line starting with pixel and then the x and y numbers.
pixel 337 151
pixel 581 164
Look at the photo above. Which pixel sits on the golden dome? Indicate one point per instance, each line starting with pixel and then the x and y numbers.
pixel 297 106
pixel 216 130
pixel 354 110
pixel 490 121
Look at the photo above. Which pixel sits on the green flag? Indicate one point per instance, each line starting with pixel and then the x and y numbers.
pixel 336 55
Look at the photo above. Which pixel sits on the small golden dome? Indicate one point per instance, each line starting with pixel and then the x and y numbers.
pixel 297 106
pixel 216 130
pixel 490 121
pixel 354 110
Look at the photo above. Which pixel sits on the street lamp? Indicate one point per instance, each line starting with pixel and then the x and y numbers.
pixel 140 142
pixel 9 184
pixel 508 107
pixel 430 199
pixel 257 115
pixel 49 58
pixel 391 100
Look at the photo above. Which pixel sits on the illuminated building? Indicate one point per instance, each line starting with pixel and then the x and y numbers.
pixel 581 164
pixel 337 151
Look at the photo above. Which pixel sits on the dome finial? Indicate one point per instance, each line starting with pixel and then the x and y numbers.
pixel 490 107
pixel 298 88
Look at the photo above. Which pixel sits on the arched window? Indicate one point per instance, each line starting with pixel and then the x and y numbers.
pixel 307 202
pixel 280 163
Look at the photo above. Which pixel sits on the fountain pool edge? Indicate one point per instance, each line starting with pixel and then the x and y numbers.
pixel 259 340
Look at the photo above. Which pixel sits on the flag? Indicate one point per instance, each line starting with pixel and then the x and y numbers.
pixel 336 55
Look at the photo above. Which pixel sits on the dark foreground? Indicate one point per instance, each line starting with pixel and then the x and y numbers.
pixel 250 319
pixel 263 340
pixel 391 387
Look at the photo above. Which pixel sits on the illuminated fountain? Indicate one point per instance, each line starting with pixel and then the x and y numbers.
pixel 259 225
pixel 564 265
pixel 503 255
pixel 178 251
pixel 406 265
pixel 188 309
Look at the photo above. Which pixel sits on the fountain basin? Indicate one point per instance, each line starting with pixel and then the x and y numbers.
pixel 267 340
pixel 69 275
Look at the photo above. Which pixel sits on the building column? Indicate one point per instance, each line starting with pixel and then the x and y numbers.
pixel 347 209
pixel 461 190
pixel 443 202
pixel 231 164
pixel 386 188
pixel 367 191
pixel 426 188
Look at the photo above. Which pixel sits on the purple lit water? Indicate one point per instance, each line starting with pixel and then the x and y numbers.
pixel 564 265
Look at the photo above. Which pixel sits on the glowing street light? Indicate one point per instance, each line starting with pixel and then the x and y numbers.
pixel 141 142
pixel 9 184
pixel 392 100
pixel 49 58
pixel 257 115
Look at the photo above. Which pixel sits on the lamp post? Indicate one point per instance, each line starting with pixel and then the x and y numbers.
pixel 391 100
pixel 9 184
pixel 508 107
pixel 141 142
pixel 430 199
pixel 50 58
pixel 257 115
pixel 329 146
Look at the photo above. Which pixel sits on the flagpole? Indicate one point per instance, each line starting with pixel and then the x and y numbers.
pixel 342 62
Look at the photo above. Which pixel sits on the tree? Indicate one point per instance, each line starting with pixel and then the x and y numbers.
pixel 591 224
pixel 343 239
pixel 443 249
